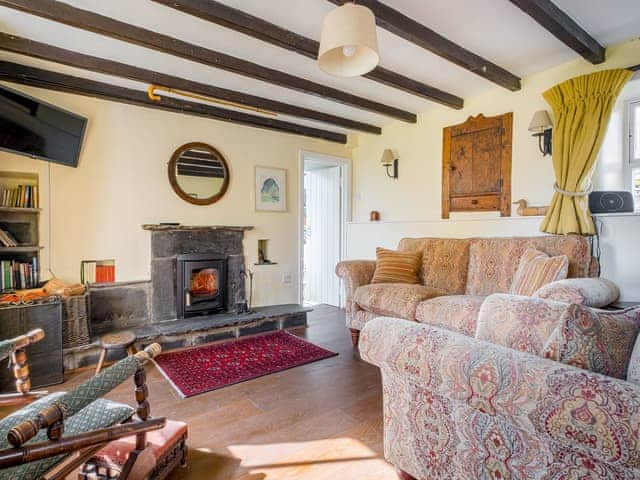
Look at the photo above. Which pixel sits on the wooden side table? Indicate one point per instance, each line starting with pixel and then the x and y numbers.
pixel 123 340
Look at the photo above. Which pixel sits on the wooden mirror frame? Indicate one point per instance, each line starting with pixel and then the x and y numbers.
pixel 174 181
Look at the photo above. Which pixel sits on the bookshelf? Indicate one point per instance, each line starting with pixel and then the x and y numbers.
pixel 20 264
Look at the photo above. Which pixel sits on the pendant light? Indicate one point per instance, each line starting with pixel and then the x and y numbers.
pixel 348 43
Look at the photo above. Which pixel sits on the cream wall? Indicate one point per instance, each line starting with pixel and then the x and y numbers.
pixel 96 211
pixel 415 196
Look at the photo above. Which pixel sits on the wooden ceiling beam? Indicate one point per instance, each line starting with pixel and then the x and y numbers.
pixel 256 27
pixel 84 19
pixel 31 48
pixel 414 32
pixel 37 77
pixel 563 27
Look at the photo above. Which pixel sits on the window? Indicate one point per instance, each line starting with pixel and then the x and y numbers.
pixel 634 149
pixel 634 131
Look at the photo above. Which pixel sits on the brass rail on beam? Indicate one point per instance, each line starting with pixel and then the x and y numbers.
pixel 151 93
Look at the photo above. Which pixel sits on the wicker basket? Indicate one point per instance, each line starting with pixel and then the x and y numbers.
pixel 75 321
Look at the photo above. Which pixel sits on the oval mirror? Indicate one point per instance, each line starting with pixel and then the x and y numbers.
pixel 198 173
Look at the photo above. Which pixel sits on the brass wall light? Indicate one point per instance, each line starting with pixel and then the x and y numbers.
pixel 541 127
pixel 389 160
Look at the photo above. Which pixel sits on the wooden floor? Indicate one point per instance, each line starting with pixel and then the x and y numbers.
pixel 317 421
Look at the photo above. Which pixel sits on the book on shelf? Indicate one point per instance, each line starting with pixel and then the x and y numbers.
pixel 7 239
pixel 24 196
pixel 15 275
pixel 97 271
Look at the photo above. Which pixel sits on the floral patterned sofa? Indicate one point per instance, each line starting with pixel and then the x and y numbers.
pixel 458 274
pixel 457 407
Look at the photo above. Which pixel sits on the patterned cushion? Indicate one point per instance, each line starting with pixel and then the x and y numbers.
pixel 633 370
pixel 394 299
pixel 595 340
pixel 445 263
pixel 521 323
pixel 396 267
pixel 99 414
pixel 493 261
pixel 537 269
pixel 592 292
pixel 458 313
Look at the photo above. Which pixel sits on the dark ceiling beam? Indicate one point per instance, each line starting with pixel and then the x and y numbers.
pixel 563 27
pixel 94 22
pixel 23 46
pixel 36 77
pixel 256 27
pixel 414 32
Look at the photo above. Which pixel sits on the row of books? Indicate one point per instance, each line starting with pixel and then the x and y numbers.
pixel 19 275
pixel 97 271
pixel 25 196
pixel 7 239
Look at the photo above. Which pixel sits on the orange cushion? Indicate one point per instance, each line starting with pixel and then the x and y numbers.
pixel 161 441
pixel 396 267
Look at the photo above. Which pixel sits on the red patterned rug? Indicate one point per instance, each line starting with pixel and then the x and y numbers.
pixel 202 369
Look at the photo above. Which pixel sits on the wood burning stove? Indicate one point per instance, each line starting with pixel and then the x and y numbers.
pixel 201 285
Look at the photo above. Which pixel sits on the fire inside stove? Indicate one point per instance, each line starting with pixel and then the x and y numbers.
pixel 204 282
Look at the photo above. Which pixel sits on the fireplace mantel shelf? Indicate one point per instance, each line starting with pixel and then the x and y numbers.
pixel 177 228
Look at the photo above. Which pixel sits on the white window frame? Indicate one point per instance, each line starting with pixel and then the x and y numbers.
pixel 633 106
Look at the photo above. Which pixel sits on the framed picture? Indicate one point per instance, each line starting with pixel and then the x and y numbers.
pixel 271 189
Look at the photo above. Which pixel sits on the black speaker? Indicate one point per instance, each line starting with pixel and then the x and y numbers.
pixel 611 202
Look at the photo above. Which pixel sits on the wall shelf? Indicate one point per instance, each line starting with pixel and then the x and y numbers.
pixel 19 210
pixel 21 249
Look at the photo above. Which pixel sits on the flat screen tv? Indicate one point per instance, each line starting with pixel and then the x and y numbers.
pixel 37 129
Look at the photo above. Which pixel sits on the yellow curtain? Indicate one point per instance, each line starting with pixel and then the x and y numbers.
pixel 582 107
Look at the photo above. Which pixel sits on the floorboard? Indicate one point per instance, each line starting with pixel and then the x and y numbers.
pixel 315 422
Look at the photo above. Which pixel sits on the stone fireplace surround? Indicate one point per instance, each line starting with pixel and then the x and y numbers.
pixel 149 307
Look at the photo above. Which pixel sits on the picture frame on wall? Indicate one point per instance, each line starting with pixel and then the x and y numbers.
pixel 271 189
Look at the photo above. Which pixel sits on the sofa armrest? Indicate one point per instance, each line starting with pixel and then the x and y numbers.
pixel 592 292
pixel 567 406
pixel 354 274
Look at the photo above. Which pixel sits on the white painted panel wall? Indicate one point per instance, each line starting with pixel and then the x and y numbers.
pixel 322 247
pixel 620 240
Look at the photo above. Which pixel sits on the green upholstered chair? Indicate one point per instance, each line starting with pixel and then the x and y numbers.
pixel 56 433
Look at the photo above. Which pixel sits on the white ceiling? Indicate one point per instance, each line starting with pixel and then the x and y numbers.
pixel 494 29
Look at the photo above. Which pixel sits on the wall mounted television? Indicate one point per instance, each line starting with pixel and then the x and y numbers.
pixel 38 129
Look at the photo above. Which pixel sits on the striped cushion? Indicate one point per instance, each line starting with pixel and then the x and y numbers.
pixel 537 269
pixel 396 267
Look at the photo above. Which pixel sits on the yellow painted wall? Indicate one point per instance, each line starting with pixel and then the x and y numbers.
pixel 97 210
pixel 416 195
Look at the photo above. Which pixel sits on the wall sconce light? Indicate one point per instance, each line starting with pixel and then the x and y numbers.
pixel 389 160
pixel 541 127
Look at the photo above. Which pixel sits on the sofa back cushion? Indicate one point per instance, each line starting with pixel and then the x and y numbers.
pixel 493 262
pixel 445 262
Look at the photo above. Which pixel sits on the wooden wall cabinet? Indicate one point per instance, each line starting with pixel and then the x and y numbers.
pixel 476 165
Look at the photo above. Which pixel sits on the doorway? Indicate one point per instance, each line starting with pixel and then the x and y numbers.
pixel 324 210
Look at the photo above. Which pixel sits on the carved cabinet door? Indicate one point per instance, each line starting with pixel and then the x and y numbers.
pixel 476 165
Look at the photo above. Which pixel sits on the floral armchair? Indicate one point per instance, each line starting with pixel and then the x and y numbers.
pixel 460 408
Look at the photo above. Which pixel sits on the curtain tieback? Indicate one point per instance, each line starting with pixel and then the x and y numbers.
pixel 567 193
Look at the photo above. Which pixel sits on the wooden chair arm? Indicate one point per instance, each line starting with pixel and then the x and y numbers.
pixel 17 456
pixel 52 417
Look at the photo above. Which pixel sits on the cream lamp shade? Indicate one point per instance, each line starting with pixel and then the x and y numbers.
pixel 540 122
pixel 387 158
pixel 348 43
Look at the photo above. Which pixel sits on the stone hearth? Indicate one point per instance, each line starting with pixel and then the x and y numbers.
pixel 149 307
